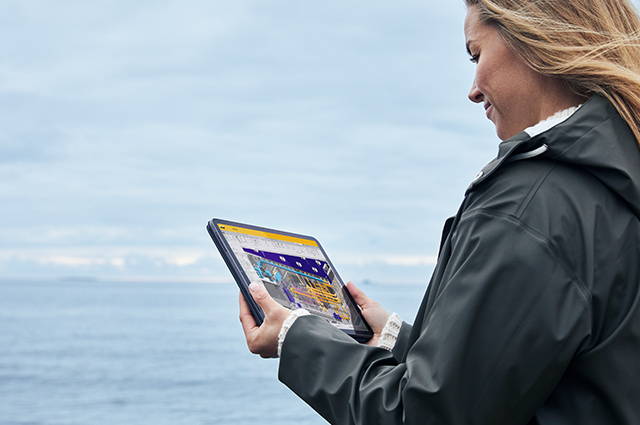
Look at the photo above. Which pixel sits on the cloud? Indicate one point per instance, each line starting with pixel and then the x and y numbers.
pixel 127 125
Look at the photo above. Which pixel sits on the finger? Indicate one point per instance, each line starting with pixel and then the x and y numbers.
pixel 246 317
pixel 262 298
pixel 358 295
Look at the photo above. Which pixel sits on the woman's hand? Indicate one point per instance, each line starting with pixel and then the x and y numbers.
pixel 263 339
pixel 373 312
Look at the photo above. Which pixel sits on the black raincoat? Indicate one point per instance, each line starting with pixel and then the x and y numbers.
pixel 532 315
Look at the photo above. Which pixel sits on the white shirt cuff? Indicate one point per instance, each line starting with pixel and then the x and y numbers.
pixel 288 322
pixel 390 332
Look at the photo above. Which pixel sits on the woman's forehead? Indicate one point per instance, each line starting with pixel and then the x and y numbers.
pixel 473 28
pixel 471 21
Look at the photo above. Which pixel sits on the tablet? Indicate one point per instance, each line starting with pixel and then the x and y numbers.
pixel 294 269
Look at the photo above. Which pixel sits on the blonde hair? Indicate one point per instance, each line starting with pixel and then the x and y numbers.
pixel 593 45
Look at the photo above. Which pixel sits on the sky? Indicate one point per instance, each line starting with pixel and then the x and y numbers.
pixel 126 125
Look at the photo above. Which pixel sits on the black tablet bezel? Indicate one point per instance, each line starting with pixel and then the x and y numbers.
pixel 242 280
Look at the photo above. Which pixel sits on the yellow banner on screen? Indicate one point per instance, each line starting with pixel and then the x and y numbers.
pixel 269 235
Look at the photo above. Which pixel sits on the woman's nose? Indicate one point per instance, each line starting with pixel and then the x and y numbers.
pixel 475 95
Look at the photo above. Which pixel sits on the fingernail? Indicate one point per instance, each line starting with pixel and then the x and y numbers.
pixel 253 286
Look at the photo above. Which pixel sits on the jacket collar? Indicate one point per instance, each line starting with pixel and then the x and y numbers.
pixel 595 137
pixel 521 142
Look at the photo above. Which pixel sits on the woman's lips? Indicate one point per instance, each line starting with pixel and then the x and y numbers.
pixel 487 106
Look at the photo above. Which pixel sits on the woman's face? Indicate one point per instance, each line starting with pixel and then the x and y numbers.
pixel 514 95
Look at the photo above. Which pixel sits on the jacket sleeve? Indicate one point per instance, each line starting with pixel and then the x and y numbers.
pixel 501 326
pixel 402 342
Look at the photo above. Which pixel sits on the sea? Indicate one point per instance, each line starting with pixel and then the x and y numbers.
pixel 91 352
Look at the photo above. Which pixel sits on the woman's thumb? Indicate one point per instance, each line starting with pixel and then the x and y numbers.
pixel 358 296
pixel 261 296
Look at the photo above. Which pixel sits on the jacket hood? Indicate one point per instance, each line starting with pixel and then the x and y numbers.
pixel 594 137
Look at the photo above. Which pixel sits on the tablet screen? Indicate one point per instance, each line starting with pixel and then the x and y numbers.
pixel 295 271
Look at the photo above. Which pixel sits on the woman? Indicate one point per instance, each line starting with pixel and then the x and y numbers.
pixel 532 315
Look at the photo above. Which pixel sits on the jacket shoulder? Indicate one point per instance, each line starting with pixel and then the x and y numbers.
pixel 523 189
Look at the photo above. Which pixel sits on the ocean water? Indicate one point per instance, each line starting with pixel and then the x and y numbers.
pixel 93 353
